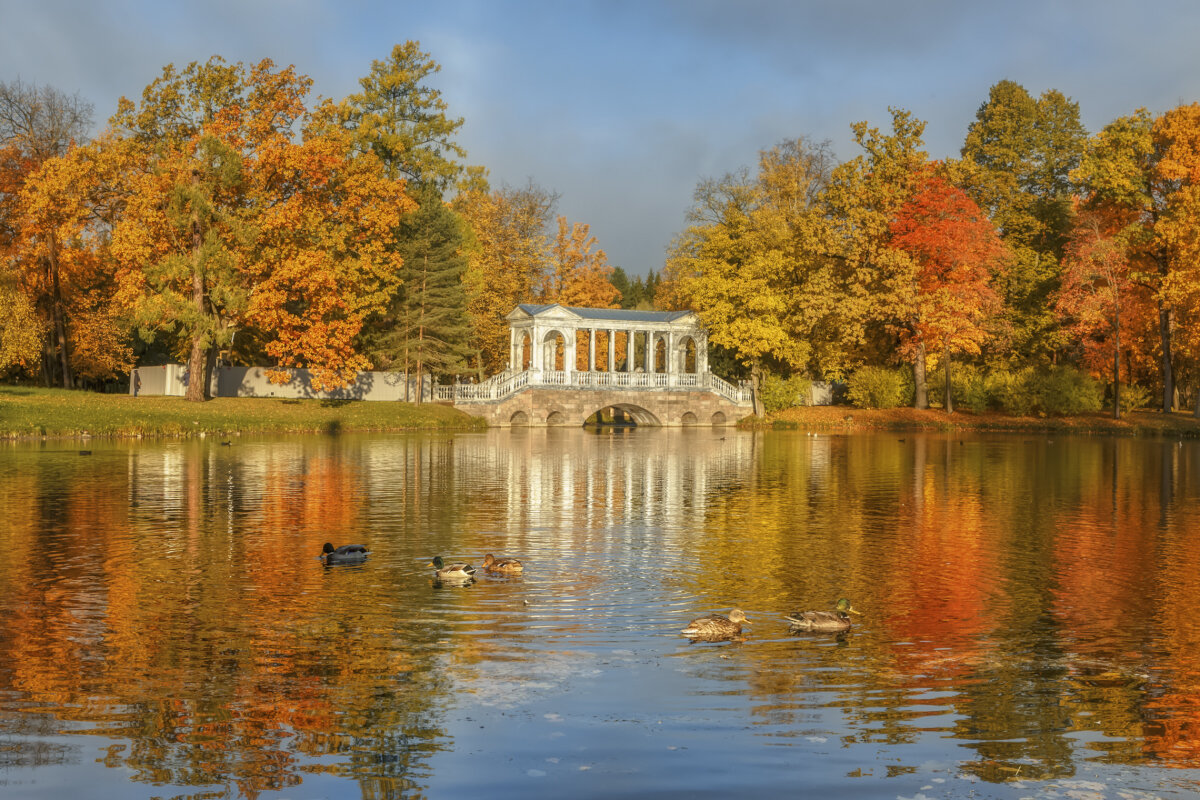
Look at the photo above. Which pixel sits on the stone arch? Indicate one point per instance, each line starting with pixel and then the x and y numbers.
pixel 554 350
pixel 526 360
pixel 641 416
pixel 556 418
pixel 688 418
pixel 519 419
pixel 718 418
pixel 685 351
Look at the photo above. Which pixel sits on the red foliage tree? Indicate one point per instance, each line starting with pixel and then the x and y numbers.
pixel 955 250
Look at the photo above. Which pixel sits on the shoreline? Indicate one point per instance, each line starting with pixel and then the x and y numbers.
pixel 848 418
pixel 36 414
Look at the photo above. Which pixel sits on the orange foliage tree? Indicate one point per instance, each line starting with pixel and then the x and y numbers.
pixel 232 221
pixel 43 227
pixel 62 249
pixel 956 250
pixel 1099 290
pixel 578 276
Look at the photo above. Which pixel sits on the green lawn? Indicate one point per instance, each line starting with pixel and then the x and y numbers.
pixel 28 411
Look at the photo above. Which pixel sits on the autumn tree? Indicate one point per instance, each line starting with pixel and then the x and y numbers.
pixel 1146 171
pixel 957 253
pixel 745 263
pixel 38 123
pixel 63 247
pixel 246 212
pixel 21 330
pixel 506 258
pixel 577 274
pixel 402 119
pixel 1098 288
pixel 1022 153
pixel 869 282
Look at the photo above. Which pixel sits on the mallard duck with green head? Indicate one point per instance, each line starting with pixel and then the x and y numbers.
pixel 715 627
pixel 457 571
pixel 509 565
pixel 836 620
pixel 346 554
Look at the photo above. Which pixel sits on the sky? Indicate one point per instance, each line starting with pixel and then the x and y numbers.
pixel 622 107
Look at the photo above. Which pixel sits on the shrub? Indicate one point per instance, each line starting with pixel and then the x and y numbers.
pixel 880 387
pixel 1012 392
pixel 967 384
pixel 1134 396
pixel 779 393
pixel 1066 390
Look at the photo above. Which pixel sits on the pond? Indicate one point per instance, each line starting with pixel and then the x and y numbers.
pixel 1029 622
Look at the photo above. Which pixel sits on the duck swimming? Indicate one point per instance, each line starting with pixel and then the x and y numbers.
pixel 716 628
pixel 492 564
pixel 457 571
pixel 346 554
pixel 836 620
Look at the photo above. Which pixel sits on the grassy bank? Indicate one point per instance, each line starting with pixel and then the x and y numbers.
pixel 32 412
pixel 1137 423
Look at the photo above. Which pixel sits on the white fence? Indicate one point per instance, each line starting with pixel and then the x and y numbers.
pixel 508 383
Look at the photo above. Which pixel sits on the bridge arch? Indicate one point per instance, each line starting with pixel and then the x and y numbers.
pixel 641 416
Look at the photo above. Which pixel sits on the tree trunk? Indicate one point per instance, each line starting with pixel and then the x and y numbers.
pixel 197 388
pixel 755 380
pixel 949 394
pixel 1117 365
pixel 1196 411
pixel 1164 332
pixel 922 393
pixel 421 333
pixel 56 304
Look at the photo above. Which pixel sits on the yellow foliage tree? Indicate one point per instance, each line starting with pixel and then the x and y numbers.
pixel 505 262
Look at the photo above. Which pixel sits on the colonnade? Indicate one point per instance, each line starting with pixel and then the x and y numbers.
pixel 671 343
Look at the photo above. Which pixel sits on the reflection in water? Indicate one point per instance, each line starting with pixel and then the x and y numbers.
pixel 165 620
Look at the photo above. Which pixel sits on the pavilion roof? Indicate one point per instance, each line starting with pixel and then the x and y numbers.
pixel 602 314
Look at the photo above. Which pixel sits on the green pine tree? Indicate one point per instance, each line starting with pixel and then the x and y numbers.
pixel 426 330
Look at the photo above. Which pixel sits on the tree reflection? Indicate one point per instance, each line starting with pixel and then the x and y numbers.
pixel 1017 593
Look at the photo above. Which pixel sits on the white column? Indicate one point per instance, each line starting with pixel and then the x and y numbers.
pixel 570 355
pixel 612 349
pixel 592 350
pixel 629 351
pixel 670 354
pixel 535 346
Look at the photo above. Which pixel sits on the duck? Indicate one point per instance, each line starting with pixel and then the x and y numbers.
pixel 836 620
pixel 456 571
pixel 346 554
pixel 715 628
pixel 492 564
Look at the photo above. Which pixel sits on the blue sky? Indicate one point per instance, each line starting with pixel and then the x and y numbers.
pixel 623 107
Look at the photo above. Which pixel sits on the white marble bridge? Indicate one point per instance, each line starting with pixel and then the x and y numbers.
pixel 566 364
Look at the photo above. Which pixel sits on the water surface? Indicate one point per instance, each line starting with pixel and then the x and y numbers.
pixel 166 629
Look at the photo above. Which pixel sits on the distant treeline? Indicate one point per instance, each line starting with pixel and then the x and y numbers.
pixel 227 215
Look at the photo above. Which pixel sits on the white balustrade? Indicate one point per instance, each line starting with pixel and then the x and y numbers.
pixel 508 383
